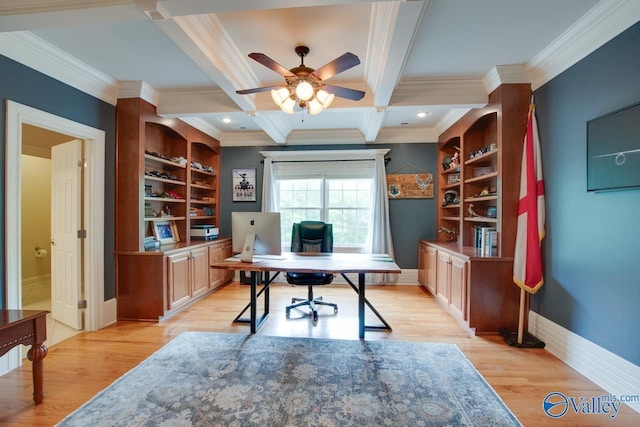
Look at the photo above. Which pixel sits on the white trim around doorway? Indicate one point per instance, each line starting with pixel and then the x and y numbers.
pixel 99 313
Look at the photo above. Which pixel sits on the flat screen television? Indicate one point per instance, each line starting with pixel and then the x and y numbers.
pixel 613 150
pixel 255 233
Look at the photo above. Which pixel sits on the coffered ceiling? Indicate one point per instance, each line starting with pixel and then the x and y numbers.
pixel 439 57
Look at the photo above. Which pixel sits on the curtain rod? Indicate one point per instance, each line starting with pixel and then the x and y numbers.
pixel 386 161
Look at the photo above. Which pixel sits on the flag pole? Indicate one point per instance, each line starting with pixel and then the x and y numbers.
pixel 530 231
pixel 521 316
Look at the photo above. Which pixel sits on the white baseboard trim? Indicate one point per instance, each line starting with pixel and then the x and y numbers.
pixel 109 313
pixel 35 281
pixel 616 375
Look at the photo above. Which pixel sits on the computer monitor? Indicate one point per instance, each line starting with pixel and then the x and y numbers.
pixel 255 233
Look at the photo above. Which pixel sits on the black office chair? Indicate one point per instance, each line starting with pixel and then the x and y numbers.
pixel 311 236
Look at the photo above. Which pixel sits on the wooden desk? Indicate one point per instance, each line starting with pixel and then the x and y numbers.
pixel 26 327
pixel 334 263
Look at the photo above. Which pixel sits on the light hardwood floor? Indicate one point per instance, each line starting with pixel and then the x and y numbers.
pixel 78 368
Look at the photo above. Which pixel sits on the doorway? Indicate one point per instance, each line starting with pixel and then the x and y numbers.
pixel 37 236
pixel 98 312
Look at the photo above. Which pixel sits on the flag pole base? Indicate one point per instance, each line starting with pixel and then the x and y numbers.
pixel 528 341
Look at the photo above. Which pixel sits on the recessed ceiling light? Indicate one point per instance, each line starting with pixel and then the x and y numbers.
pixel 226 120
pixel 421 114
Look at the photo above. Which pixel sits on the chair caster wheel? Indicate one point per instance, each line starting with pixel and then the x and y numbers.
pixel 288 314
pixel 335 310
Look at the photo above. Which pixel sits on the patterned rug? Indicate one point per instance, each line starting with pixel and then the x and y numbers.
pixel 214 379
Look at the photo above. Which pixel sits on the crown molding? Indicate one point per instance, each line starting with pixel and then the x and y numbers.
pixel 602 23
pixel 18 7
pixel 203 126
pixel 505 74
pixel 30 50
pixel 449 119
pixel 138 89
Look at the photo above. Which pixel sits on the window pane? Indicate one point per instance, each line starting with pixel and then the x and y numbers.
pixel 347 206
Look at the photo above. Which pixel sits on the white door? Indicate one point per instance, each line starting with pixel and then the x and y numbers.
pixel 66 188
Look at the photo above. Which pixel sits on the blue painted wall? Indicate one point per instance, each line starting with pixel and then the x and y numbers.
pixel 411 219
pixel 591 252
pixel 26 86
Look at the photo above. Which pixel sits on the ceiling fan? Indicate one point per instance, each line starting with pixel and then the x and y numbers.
pixel 305 86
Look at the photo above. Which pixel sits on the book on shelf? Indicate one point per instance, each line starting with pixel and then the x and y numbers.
pixel 485 238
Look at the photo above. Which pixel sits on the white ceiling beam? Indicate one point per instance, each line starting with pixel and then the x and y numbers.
pixel 392 31
pixel 463 92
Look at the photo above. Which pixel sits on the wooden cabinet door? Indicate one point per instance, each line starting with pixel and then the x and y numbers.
pixel 217 253
pixel 430 269
pixel 443 276
pixel 458 287
pixel 178 280
pixel 199 271
pixel 422 252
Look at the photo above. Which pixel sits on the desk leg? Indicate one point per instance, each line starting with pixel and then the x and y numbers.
pixel 255 276
pixel 36 354
pixel 361 300
pixel 267 282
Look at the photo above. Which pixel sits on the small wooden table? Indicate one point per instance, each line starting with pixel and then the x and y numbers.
pixel 26 327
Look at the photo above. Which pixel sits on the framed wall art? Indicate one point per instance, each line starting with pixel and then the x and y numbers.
pixel 244 185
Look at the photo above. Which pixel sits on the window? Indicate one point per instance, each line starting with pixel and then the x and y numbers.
pixel 343 202
pixel 343 187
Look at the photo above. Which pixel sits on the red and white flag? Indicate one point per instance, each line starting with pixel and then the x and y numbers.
pixel 527 264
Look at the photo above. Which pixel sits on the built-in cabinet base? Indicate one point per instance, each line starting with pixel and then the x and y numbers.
pixel 477 290
pixel 155 284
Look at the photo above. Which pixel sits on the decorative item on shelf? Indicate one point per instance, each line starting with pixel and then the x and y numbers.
pixel 166 232
pixel 451 233
pixel 453 161
pixel 180 160
pixel 472 211
pixel 482 151
pixel 492 212
pixel 148 210
pixel 450 198
pixel 453 178
pixel 151 242
pixel 208 211
pixel 482 171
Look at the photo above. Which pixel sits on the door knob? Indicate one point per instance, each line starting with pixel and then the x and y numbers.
pixel 53 242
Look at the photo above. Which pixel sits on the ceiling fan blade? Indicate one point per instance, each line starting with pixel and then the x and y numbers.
pixel 258 89
pixel 270 64
pixel 338 65
pixel 343 92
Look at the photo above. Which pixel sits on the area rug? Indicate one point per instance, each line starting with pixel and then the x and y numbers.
pixel 215 379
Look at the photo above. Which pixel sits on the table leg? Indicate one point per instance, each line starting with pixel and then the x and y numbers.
pixel 361 300
pixel 254 301
pixel 36 354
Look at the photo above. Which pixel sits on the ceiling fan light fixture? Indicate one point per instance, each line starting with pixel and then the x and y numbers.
pixel 315 106
pixel 279 95
pixel 304 90
pixel 325 98
pixel 288 105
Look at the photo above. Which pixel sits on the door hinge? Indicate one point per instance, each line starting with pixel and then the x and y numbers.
pixel 82 234
pixel 82 304
pixel 82 163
